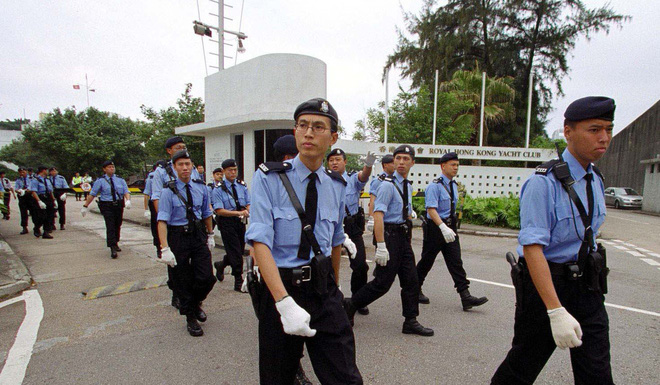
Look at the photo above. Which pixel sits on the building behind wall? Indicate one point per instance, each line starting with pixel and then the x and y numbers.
pixel 640 140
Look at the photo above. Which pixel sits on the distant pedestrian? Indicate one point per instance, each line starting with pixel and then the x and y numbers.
pixel 76 181
pixel 24 198
pixel 44 203
pixel 60 189
pixel 9 191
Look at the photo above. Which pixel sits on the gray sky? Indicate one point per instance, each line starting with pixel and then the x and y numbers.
pixel 143 52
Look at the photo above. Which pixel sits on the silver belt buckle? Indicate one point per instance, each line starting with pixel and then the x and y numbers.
pixel 306 273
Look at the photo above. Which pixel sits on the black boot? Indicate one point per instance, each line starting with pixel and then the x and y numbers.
pixel 238 282
pixel 25 230
pixel 176 302
pixel 350 310
pixel 412 326
pixel 46 235
pixel 62 227
pixel 468 301
pixel 113 253
pixel 194 328
pixel 200 314
pixel 363 310
pixel 219 270
pixel 301 377
pixel 423 299
pixel 36 232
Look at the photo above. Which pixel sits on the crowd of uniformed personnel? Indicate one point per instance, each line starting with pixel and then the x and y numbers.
pixel 301 214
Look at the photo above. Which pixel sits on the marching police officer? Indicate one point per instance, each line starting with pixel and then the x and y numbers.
pixel 161 177
pixel 6 185
pixel 43 205
pixel 387 163
pixel 113 198
pixel 303 304
pixel 24 198
pixel 60 187
pixel 231 202
pixel 394 254
pixel 149 208
pixel 440 231
pixel 354 220
pixel 561 274
pixel 186 238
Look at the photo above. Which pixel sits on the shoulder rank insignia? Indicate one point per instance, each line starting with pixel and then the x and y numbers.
pixel 546 167
pixel 336 176
pixel 198 181
pixel 275 166
pixel 436 180
pixel 382 176
pixel 240 182
pixel 388 179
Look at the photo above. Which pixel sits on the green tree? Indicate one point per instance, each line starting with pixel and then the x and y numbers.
pixel 13 125
pixel 498 103
pixel 161 125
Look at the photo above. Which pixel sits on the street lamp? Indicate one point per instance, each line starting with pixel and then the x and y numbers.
pixel 203 29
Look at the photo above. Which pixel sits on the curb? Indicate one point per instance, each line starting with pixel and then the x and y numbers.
pixel 19 272
pixel 488 233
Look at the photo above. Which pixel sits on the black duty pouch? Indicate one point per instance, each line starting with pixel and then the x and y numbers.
pixel 321 266
pixel 409 226
pixel 596 271
pixel 359 219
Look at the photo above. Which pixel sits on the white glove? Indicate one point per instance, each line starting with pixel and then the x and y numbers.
pixel 382 255
pixel 370 159
pixel 167 257
pixel 244 286
pixel 20 192
pixel 127 204
pixel 42 205
pixel 147 214
pixel 350 246
pixel 565 329
pixel 84 210
pixel 295 319
pixel 55 205
pixel 63 197
pixel 211 242
pixel 447 233
pixel 413 215
pixel 370 224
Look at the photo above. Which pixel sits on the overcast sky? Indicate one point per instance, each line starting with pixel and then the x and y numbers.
pixel 143 52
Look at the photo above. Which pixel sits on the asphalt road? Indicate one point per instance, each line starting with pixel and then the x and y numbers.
pixel 138 338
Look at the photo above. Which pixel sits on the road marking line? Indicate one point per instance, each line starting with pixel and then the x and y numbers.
pixel 632 309
pixel 607 242
pixel 655 255
pixel 11 301
pixel 20 353
pixel 127 287
pixel 629 245
pixel 617 240
pixel 626 219
pixel 643 250
pixel 650 261
pixel 634 253
pixel 621 247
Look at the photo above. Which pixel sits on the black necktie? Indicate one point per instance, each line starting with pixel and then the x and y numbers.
pixel 311 202
pixel 112 189
pixel 25 183
pixel 46 185
pixel 235 194
pixel 189 195
pixel 590 195
pixel 451 196
pixel 405 200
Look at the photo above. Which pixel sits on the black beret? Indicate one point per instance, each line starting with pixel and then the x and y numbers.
pixel 182 154
pixel 172 141
pixel 591 107
pixel 29 169
pixel 160 163
pixel 52 168
pixel 228 163
pixel 219 169
pixel 41 168
pixel 448 156
pixel 316 106
pixel 107 163
pixel 285 145
pixel 387 159
pixel 405 149
pixel 336 151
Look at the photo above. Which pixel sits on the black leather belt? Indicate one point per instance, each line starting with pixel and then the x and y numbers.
pixel 296 275
pixel 569 270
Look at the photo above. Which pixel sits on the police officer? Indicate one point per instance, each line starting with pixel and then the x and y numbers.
pixel 231 202
pixel 24 198
pixel 394 254
pixel 149 208
pixel 113 198
pixel 560 294
pixel 440 229
pixel 60 187
pixel 186 236
pixel 6 184
pixel 354 220
pixel 387 163
pixel 161 177
pixel 43 204
pixel 302 304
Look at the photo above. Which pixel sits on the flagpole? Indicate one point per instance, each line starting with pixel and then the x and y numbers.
pixel 483 102
pixel 387 99
pixel 435 105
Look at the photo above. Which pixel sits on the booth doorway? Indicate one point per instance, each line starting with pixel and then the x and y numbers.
pixel 263 144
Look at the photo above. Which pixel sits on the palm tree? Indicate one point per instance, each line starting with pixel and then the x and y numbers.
pixel 498 106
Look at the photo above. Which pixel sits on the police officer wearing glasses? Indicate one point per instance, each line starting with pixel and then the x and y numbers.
pixel 184 225
pixel 561 276
pixel 394 253
pixel 299 302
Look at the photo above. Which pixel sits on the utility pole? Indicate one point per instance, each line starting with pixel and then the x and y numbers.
pixel 387 100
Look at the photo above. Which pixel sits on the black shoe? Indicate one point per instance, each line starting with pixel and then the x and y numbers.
pixel 53 228
pixel 301 377
pixel 350 310
pixel 47 236
pixel 411 326
pixel 363 310
pixel 25 231
pixel 468 301
pixel 423 299
pixel 117 249
pixel 113 253
pixel 238 283
pixel 220 270
pixel 176 302
pixel 200 314
pixel 194 328
pixel 37 233
pixel 62 227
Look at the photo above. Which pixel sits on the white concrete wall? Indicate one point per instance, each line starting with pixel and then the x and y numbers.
pixel 651 202
pixel 7 136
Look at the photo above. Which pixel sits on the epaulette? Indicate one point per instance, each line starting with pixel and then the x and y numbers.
pixel 267 167
pixel 198 181
pixel 210 184
pixel 241 182
pixel 350 173
pixel 151 176
pixel 336 176
pixel 382 176
pixel 388 179
pixel 597 171
pixel 546 167
pixel 436 180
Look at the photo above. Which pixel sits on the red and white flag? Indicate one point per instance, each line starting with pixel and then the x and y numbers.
pixel 76 87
